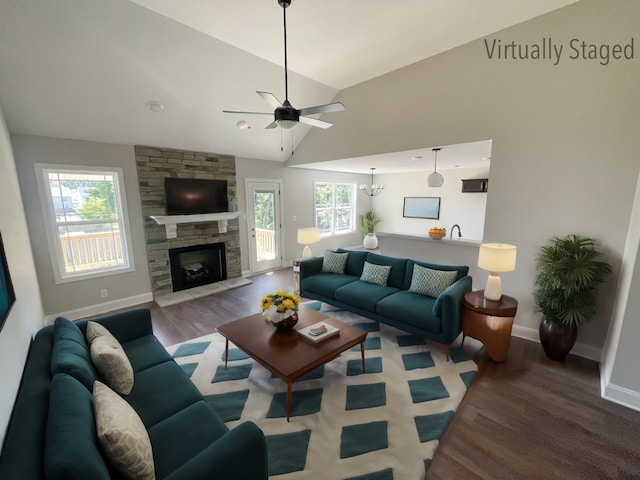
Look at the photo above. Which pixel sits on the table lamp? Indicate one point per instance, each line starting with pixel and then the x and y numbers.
pixel 307 236
pixel 496 257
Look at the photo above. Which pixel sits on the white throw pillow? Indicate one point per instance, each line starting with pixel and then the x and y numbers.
pixel 121 433
pixel 109 358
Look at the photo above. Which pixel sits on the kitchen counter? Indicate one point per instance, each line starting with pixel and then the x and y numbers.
pixel 426 238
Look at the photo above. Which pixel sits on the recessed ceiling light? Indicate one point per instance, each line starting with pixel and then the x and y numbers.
pixel 416 157
pixel 486 158
pixel 155 106
pixel 243 125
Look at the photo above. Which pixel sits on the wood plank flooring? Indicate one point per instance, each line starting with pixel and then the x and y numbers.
pixel 526 418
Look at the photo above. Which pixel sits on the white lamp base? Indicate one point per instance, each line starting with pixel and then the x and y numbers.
pixel 306 253
pixel 493 289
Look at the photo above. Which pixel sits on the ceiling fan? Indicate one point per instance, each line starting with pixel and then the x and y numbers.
pixel 285 115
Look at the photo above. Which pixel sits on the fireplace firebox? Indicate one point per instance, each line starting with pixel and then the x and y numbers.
pixel 197 265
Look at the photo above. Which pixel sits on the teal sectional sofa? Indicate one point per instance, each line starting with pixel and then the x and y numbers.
pixel 438 318
pixel 52 432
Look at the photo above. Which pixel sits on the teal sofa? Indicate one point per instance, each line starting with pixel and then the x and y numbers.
pixel 437 319
pixel 52 432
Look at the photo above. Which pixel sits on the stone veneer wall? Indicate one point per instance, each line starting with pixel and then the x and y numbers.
pixel 154 164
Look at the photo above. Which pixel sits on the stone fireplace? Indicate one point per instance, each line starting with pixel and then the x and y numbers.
pixel 154 164
pixel 197 265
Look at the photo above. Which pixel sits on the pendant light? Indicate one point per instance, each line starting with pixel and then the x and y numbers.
pixel 435 179
pixel 374 189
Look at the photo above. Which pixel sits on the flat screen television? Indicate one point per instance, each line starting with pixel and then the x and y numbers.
pixel 421 207
pixel 190 196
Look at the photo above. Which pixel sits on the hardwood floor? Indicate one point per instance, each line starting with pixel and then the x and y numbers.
pixel 525 418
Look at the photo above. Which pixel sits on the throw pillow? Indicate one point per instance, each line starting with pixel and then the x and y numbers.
pixel 109 358
pixel 431 283
pixel 121 433
pixel 334 262
pixel 377 274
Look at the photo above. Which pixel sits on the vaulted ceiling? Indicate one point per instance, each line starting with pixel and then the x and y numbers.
pixel 87 69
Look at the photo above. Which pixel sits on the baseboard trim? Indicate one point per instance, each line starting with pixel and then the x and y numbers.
pixel 580 349
pixel 100 308
pixel 622 396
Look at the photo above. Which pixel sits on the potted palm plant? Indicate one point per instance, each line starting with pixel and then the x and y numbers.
pixel 368 222
pixel 570 271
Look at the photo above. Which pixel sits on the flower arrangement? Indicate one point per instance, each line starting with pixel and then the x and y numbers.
pixel 279 305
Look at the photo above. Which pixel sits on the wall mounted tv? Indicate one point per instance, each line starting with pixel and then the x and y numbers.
pixel 190 196
pixel 421 207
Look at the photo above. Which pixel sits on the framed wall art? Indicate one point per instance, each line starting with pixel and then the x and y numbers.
pixel 7 294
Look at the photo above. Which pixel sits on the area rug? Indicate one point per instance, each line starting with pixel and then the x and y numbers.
pixel 345 424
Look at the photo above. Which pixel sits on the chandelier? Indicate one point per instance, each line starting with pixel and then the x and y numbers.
pixel 373 189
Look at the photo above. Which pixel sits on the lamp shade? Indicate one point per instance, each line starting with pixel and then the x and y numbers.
pixel 308 235
pixel 497 257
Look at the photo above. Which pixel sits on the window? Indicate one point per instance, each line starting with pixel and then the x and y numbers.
pixel 86 225
pixel 335 207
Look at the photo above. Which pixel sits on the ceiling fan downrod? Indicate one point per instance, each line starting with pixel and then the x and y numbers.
pixel 284 4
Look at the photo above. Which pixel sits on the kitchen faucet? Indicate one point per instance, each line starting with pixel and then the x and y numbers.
pixel 459 232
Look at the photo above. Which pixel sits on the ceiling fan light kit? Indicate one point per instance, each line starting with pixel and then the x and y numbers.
pixel 284 114
pixel 435 179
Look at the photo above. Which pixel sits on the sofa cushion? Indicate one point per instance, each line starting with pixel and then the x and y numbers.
pixel 363 295
pixel 326 284
pixel 71 443
pixel 122 435
pixel 145 352
pixel 334 262
pixel 70 353
pixel 355 261
pixel 197 427
pixel 110 359
pixel 461 270
pixel 376 274
pixel 161 391
pixel 398 268
pixel 432 283
pixel 411 308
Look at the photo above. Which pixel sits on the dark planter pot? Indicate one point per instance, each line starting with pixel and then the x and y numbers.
pixel 557 341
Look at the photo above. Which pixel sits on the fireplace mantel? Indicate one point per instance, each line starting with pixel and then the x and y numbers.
pixel 171 222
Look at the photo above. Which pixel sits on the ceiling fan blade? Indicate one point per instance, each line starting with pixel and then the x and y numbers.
pixel 248 113
pixel 314 122
pixel 329 107
pixel 270 98
pixel 271 125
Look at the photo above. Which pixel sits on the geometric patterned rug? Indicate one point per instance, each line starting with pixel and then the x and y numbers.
pixel 381 425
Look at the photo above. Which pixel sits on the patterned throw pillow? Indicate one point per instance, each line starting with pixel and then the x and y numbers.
pixel 334 262
pixel 377 274
pixel 432 283
pixel 121 433
pixel 109 358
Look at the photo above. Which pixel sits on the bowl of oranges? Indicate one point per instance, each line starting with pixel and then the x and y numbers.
pixel 437 232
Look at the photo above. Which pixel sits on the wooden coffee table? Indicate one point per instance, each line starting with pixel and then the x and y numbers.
pixel 286 354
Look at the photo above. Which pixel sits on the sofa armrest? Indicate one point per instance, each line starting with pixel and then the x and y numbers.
pixel 448 306
pixel 309 267
pixel 239 453
pixel 125 326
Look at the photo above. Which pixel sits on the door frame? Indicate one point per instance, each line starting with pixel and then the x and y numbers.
pixel 253 261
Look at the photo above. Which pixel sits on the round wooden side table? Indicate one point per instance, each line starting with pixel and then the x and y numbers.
pixel 489 321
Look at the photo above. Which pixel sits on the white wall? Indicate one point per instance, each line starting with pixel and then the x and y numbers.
pixel 464 209
pixel 565 141
pixel 82 298
pixel 27 315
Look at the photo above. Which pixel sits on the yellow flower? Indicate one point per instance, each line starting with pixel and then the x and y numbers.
pixel 288 303
pixel 281 293
pixel 280 308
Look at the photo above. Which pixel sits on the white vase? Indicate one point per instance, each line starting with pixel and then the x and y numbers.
pixel 370 241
